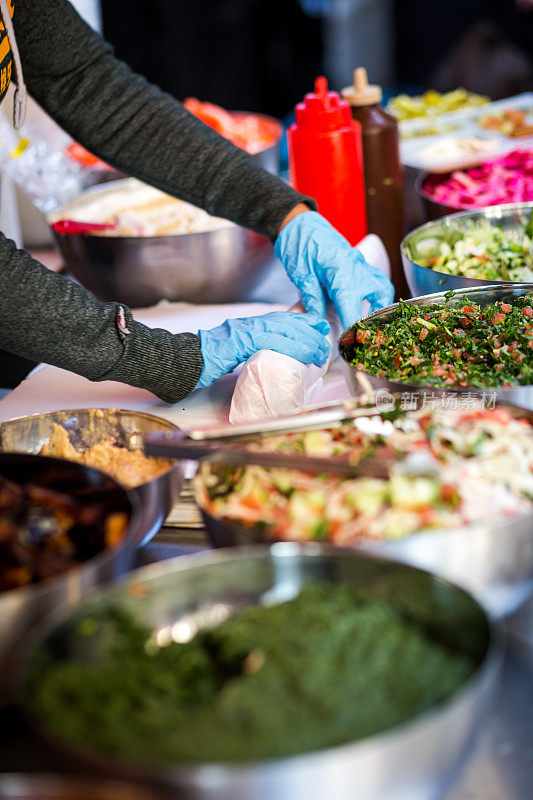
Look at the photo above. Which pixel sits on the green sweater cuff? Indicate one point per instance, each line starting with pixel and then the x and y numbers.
pixel 169 365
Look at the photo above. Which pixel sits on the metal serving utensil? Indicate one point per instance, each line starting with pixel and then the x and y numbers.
pixel 307 419
pixel 227 444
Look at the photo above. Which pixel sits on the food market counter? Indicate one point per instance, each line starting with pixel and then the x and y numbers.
pixel 499 769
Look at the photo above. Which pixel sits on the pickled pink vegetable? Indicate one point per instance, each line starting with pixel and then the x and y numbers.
pixel 507 179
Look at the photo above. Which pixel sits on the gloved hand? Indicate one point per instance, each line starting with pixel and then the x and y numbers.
pixel 301 336
pixel 315 255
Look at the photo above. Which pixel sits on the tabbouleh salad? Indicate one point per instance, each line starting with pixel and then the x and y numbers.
pixel 332 665
pixel 448 345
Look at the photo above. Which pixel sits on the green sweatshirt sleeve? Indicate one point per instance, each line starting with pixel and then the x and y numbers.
pixel 136 127
pixel 46 317
pixel 140 130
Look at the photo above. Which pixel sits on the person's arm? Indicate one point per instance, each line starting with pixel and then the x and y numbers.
pixel 136 127
pixel 46 317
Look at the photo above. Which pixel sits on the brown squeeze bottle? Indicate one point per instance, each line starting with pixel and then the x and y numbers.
pixel 382 170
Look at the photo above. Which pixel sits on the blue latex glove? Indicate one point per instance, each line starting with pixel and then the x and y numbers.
pixel 301 336
pixel 315 255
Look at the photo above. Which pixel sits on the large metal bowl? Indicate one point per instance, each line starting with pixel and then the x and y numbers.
pixel 414 761
pixel 512 217
pixel 491 559
pixel 22 608
pixel 86 427
pixel 363 383
pixel 218 266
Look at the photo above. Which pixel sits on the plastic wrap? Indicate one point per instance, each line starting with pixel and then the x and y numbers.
pixel 273 385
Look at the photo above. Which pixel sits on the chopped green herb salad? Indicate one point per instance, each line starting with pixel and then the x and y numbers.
pixel 332 665
pixel 484 251
pixel 448 345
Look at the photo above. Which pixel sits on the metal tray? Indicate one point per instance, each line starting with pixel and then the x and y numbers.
pixel 363 383
pixel 461 123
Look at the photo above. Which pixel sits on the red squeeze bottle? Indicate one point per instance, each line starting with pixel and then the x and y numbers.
pixel 326 160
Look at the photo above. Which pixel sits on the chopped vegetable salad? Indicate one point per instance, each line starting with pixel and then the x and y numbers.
pixel 447 468
pixel 484 251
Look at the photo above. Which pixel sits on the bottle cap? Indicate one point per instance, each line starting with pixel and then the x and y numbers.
pixel 323 110
pixel 361 93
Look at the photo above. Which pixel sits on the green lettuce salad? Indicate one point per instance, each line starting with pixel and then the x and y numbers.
pixel 484 251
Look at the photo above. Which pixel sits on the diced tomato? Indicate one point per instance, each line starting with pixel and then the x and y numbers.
pixel 397 360
pixel 497 414
pixel 498 319
pixel 251 502
pixel 518 358
pixel 448 492
pixel 414 361
pixel 505 307
pixel 513 346
pixel 361 335
pixel 423 333
pixel 527 311
pixel 421 443
pixel 499 367
pixel 426 515
pixel 468 309
pixel 465 322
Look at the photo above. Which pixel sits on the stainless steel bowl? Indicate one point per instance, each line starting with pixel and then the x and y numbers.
pixel 492 559
pixel 361 383
pixel 433 209
pixel 218 266
pixel 512 217
pixel 414 761
pixel 22 608
pixel 87 427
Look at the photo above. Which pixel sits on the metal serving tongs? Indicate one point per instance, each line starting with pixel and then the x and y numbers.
pixel 226 445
